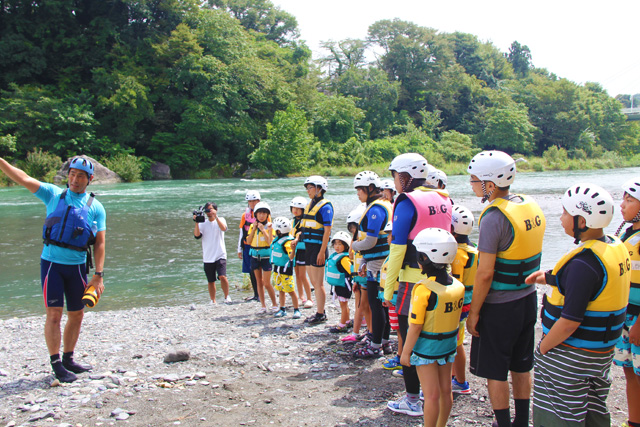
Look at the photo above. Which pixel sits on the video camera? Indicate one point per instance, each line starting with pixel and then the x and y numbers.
pixel 199 214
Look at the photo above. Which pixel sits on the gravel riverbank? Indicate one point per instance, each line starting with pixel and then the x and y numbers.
pixel 243 369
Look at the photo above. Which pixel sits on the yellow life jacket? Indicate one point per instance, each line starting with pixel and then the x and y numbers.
pixel 603 320
pixel 312 228
pixel 439 335
pixel 381 248
pixel 523 256
pixel 464 268
pixel 632 243
pixel 260 246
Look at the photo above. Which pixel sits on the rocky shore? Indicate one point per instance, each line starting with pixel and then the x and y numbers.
pixel 206 365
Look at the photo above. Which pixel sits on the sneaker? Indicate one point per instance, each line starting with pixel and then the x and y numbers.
pixel 227 300
pixel 316 319
pixel 349 339
pixel 367 352
pixel 296 314
pixel 460 388
pixel 212 302
pixel 339 329
pixel 262 310
pixel 421 395
pixel 397 373
pixel 280 313
pixel 392 364
pixel 387 348
pixel 275 308
pixel 308 304
pixel 402 406
pixel 75 367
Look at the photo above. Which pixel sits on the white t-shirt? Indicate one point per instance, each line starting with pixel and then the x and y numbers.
pixel 213 247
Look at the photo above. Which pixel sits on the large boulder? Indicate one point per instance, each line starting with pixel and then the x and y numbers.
pixel 101 175
pixel 160 171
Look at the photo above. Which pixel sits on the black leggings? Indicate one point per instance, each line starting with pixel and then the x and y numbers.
pixel 409 373
pixel 254 284
pixel 380 328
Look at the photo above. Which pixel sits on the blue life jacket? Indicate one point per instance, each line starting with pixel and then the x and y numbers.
pixel 279 257
pixel 334 276
pixel 68 226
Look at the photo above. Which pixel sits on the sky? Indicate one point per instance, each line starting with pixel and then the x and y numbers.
pixel 581 41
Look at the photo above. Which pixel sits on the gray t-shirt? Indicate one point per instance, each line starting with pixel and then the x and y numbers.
pixel 496 235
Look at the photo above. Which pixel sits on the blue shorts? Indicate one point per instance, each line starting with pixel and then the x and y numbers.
pixel 263 264
pixel 61 280
pixel 626 354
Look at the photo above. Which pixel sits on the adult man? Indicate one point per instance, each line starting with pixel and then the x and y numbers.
pixel 502 315
pixel 75 220
pixel 214 252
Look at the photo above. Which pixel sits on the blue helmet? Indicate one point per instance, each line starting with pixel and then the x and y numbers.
pixel 82 164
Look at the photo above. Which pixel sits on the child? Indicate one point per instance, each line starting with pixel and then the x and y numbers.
pixel 259 238
pixel 338 274
pixel 297 206
pixel 436 302
pixel 392 364
pixel 252 197
pixel 437 179
pixel 582 315
pixel 282 261
pixel 464 269
pixel 627 353
pixel 388 190
pixel 359 282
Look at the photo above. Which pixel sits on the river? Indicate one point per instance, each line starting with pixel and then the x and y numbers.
pixel 153 259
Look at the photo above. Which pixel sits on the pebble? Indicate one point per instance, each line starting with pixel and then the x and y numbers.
pixel 177 356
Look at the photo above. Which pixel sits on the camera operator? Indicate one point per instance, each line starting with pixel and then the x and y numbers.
pixel 214 252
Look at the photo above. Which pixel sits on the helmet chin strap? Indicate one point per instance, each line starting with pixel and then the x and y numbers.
pixel 634 219
pixel 485 196
pixel 577 230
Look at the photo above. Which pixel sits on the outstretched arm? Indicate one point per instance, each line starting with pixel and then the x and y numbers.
pixel 19 176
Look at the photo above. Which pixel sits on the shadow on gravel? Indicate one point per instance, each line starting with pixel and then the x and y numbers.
pixel 22 385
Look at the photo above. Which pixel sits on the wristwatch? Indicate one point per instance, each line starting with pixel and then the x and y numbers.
pixel 99 273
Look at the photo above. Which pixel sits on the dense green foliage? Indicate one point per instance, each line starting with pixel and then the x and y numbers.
pixel 227 84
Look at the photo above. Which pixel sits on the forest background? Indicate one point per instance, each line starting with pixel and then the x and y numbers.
pixel 214 88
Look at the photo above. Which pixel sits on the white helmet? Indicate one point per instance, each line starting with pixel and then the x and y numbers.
pixel 366 178
pixel 495 166
pixel 356 214
pixel 461 220
pixel 632 188
pixel 252 195
pixel 342 236
pixel 412 163
pixel 437 244
pixel 591 202
pixel 441 176
pixel 318 181
pixel 298 202
pixel 387 184
pixel 262 206
pixel 282 225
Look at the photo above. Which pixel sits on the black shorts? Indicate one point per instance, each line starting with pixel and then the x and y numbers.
pixel 301 257
pixel 219 268
pixel 61 281
pixel 341 291
pixel 311 255
pixel 507 339
pixel 263 263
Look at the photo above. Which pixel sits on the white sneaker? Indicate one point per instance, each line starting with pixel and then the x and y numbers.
pixel 275 308
pixel 227 300
pixel 308 304
pixel 403 406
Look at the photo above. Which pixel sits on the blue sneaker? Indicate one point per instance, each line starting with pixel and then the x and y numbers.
pixel 397 373
pixel 280 313
pixel 403 406
pixel 392 364
pixel 460 388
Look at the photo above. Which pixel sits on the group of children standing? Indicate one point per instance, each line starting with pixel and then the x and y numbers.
pixel 408 261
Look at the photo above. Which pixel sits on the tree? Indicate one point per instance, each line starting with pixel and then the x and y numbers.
pixel 520 58
pixel 286 148
pixel 343 56
pixel 508 129
pixel 336 118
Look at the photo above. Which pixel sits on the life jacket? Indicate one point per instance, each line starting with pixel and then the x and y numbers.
pixel 334 276
pixel 523 256
pixel 279 255
pixel 632 244
pixel 439 335
pixel 260 247
pixel 433 209
pixel 68 226
pixel 246 220
pixel 605 315
pixel 312 227
pixel 295 229
pixel 357 262
pixel 464 268
pixel 381 248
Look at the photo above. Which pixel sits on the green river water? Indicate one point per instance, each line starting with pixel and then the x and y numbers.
pixel 153 259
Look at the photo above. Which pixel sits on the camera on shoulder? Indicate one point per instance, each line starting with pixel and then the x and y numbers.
pixel 199 214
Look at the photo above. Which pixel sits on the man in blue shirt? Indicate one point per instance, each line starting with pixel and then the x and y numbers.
pixel 74 221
